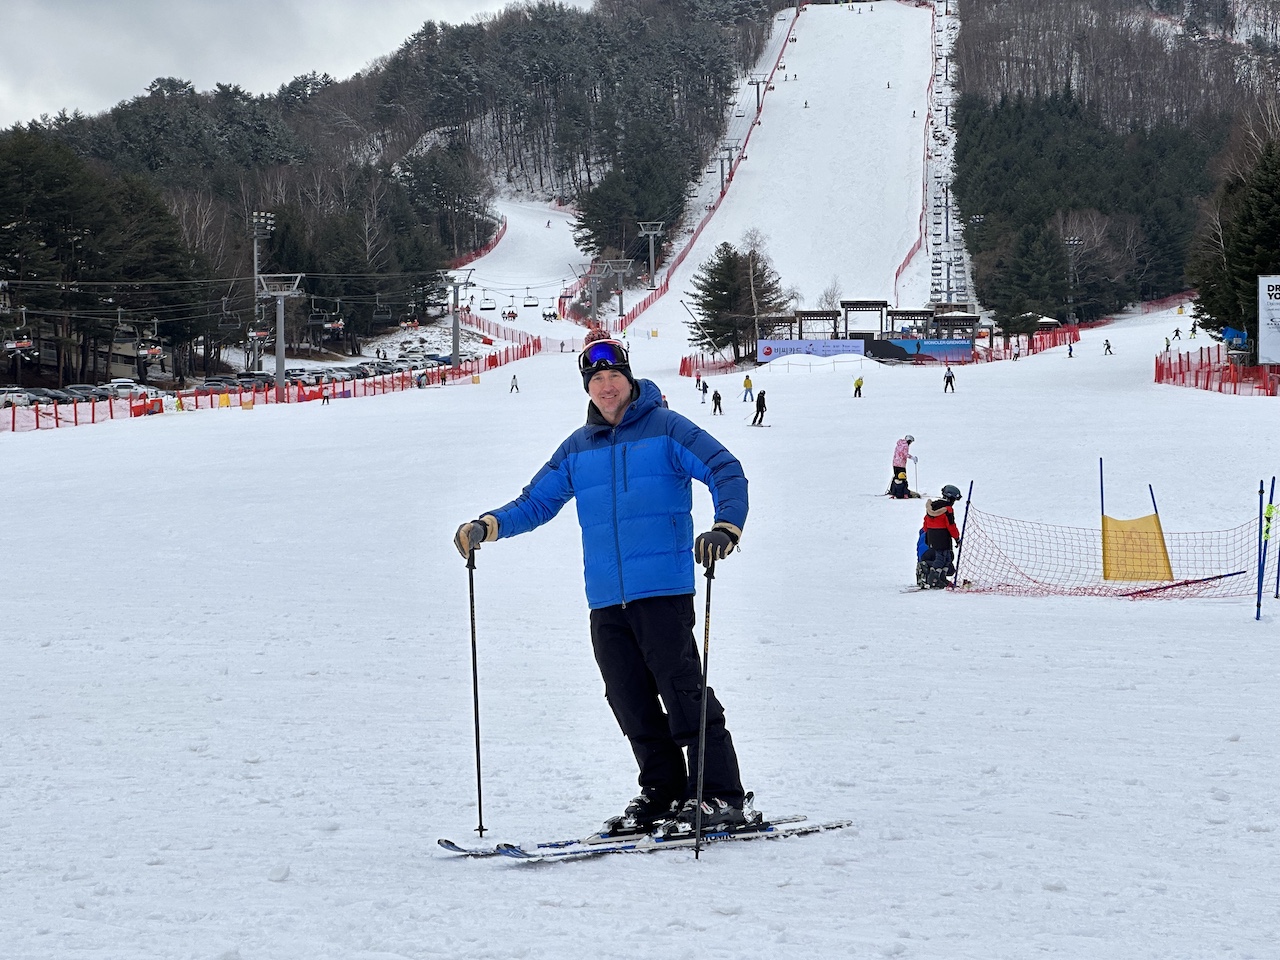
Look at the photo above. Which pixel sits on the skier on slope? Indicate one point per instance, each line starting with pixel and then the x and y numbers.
pixel 758 419
pixel 901 454
pixel 936 565
pixel 629 469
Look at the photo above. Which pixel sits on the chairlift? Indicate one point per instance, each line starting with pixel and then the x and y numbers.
pixel 529 299
pixel 381 314
pixel 317 318
pixel 740 112
pixel 487 302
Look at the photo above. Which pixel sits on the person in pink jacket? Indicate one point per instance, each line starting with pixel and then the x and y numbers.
pixel 901 454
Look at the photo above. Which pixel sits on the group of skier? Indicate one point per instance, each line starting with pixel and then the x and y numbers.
pixel 938 538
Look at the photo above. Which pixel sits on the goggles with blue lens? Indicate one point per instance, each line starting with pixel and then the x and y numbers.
pixel 603 355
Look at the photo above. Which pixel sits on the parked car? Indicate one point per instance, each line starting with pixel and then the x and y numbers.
pixel 53 395
pixel 87 391
pixel 14 397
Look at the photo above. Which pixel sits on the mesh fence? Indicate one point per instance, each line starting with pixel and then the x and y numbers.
pixel 1018 557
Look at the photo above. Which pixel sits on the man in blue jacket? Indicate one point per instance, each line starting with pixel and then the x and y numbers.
pixel 630 470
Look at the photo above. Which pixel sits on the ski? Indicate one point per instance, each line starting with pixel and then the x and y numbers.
pixel 496 849
pixel 768 830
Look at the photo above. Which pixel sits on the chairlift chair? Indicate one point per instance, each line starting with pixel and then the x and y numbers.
pixel 487 302
pixel 529 299
pixel 381 314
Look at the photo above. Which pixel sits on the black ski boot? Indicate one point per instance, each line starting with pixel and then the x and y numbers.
pixel 642 815
pixel 717 816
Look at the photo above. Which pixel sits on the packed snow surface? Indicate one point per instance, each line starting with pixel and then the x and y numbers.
pixel 236 703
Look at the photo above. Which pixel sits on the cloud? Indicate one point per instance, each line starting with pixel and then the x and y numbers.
pixel 89 55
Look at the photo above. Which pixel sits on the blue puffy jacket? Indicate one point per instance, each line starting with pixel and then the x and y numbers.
pixel 635 499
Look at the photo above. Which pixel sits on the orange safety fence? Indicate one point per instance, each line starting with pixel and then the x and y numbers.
pixel 1211 369
pixel 51 416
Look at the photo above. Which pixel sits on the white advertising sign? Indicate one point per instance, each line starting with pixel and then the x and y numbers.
pixel 1269 319
pixel 767 350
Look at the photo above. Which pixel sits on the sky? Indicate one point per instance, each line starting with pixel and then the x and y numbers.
pixel 236 703
pixel 89 55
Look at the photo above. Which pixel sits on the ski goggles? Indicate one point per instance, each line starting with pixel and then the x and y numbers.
pixel 603 355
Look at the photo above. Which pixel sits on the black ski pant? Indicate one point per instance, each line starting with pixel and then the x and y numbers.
pixel 649 660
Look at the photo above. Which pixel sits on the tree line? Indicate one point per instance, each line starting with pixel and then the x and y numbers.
pixel 1106 150
pixel 376 182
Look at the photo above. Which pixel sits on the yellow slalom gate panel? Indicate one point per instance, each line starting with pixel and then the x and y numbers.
pixel 1134 549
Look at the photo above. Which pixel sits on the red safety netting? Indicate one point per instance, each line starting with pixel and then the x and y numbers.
pixel 1023 558
pixel 1210 369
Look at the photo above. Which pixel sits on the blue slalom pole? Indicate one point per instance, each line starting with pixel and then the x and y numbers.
pixel 1261 490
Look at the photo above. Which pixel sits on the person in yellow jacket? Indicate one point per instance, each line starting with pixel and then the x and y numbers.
pixel 747 394
pixel 857 387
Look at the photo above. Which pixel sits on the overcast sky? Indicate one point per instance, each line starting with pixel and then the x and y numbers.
pixel 88 55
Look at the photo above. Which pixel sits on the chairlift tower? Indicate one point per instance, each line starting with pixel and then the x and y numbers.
pixel 280 287
pixel 651 229
pixel 595 274
pixel 456 280
pixel 727 150
pixel 620 269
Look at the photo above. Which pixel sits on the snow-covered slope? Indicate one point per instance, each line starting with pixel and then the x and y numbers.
pixel 235 704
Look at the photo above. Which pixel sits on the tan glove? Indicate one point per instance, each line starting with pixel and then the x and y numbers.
pixel 475 532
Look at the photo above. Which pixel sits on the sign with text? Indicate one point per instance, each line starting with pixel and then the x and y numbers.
pixel 767 350
pixel 1269 320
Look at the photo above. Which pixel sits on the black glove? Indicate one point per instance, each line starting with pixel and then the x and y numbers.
pixel 716 544
pixel 473 533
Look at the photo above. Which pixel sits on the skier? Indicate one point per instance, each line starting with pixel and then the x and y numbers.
pixel 948 381
pixel 1017 349
pixel 899 489
pixel 639 553
pixel 937 565
pixel 1177 333
pixel 901 454
pixel 758 419
pixel 705 387
pixel 1106 348
pixel 1071 351
pixel 515 386
pixel 715 404
pixel 747 393
pixel 1193 329
pixel 697 382
pixel 857 387
pixel 1166 344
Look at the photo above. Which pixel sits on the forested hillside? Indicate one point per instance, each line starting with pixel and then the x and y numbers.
pixel 1092 136
pixel 380 180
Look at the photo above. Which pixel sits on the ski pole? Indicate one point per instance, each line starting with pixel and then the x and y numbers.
pixel 475 685
pixel 963 527
pixel 702 721
pixel 915 472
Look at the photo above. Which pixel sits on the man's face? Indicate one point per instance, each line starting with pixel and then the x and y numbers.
pixel 611 393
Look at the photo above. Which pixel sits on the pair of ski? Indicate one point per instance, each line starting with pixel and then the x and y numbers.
pixel 597 845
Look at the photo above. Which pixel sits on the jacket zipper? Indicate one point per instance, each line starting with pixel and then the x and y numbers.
pixel 617 542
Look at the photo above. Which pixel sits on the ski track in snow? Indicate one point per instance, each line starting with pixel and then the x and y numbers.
pixel 236 698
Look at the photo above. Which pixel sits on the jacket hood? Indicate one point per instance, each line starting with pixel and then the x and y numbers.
pixel 936 508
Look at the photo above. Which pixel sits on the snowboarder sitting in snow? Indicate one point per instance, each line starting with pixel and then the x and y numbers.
pixel 936 565
pixel 629 468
